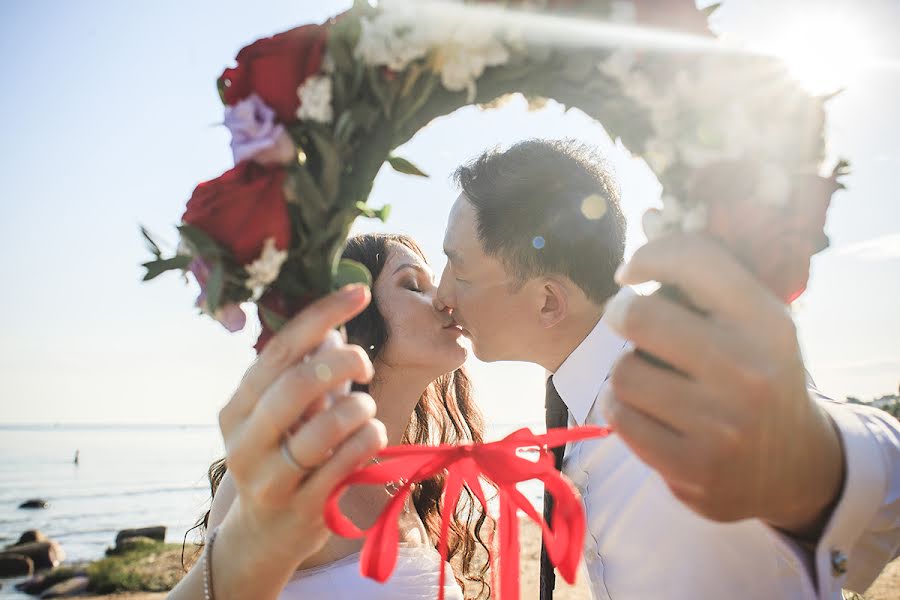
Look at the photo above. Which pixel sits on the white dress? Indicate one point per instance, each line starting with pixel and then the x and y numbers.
pixel 414 577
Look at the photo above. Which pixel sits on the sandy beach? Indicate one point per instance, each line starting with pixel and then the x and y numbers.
pixel 886 587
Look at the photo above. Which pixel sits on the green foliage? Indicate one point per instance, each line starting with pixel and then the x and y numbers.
pixel 215 286
pixel 349 271
pixel 151 245
pixel 201 243
pixel 270 318
pixel 132 571
pixel 381 214
pixel 402 165
pixel 157 267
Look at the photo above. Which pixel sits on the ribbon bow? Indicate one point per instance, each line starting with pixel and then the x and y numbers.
pixel 498 462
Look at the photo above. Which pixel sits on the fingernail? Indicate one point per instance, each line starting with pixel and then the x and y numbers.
pixel 352 291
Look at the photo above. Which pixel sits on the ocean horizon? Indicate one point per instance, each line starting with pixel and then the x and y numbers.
pixel 128 475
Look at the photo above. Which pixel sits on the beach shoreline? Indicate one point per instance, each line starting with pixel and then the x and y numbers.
pixel 886 587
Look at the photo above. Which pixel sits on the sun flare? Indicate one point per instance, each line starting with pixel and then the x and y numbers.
pixel 825 52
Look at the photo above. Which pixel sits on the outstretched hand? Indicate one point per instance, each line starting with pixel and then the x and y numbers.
pixel 286 446
pixel 732 430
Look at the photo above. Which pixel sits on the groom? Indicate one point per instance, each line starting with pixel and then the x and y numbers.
pixel 727 478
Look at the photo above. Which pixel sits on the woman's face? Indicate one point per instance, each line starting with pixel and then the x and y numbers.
pixel 417 336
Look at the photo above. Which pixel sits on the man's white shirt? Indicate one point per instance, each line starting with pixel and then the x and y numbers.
pixel 642 542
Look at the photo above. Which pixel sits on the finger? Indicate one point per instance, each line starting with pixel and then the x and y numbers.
pixel 294 340
pixel 658 445
pixel 662 394
pixel 704 270
pixel 671 332
pixel 299 387
pixel 315 441
pixel 365 443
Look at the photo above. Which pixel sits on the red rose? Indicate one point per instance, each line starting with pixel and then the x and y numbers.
pixel 275 67
pixel 282 308
pixel 242 208
pixel 775 242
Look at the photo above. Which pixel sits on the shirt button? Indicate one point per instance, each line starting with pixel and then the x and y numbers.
pixel 838 563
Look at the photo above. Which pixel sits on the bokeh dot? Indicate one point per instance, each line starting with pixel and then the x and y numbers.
pixel 593 207
pixel 323 372
pixel 538 242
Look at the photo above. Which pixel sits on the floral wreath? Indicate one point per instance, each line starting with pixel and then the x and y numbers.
pixel 316 111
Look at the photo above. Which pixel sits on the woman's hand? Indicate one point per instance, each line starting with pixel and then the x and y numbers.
pixel 287 446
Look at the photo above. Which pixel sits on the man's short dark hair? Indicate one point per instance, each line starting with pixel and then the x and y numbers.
pixel 549 207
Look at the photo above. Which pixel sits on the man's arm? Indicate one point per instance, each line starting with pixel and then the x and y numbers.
pixel 732 429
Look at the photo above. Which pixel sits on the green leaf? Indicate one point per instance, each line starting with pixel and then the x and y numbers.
pixel 220 86
pixel 408 106
pixel 359 72
pixel 343 127
pixel 349 271
pixel 201 242
pixel 272 319
pixel 340 53
pixel 382 89
pixel 381 214
pixel 331 164
pixel 158 267
pixel 364 114
pixel 709 10
pixel 404 166
pixel 151 245
pixel 310 196
pixel 215 285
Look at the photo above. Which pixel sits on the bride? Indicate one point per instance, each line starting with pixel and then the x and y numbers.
pixel 265 520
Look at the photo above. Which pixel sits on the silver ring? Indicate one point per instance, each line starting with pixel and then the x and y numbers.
pixel 286 453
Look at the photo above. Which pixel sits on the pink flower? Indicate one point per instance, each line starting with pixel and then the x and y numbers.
pixel 256 134
pixel 231 316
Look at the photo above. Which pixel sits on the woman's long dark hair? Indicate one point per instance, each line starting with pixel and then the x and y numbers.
pixel 445 414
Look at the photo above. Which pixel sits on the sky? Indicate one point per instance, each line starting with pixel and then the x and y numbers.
pixel 111 118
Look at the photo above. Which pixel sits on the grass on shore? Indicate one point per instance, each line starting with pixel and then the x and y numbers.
pixel 146 567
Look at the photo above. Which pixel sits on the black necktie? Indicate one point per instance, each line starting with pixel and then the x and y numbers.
pixel 557 416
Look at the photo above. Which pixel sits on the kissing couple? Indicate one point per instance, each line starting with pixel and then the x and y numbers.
pixel 727 476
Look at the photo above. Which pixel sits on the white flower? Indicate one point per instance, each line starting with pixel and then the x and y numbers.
pixel 315 99
pixel 394 37
pixel 465 55
pixel 265 269
pixel 404 32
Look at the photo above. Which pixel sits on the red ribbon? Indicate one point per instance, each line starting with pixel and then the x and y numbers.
pixel 498 462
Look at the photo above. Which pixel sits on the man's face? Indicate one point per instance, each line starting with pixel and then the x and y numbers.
pixel 476 290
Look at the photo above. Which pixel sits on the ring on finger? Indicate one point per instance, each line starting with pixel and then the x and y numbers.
pixel 293 462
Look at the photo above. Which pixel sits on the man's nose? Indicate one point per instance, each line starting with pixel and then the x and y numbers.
pixel 440 298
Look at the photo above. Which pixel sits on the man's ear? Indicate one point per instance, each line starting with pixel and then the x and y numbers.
pixel 554 302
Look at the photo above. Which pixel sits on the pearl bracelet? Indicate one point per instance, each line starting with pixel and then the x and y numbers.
pixel 208 590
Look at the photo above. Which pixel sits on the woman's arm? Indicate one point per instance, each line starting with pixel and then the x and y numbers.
pixel 286 449
pixel 244 565
pixel 222 501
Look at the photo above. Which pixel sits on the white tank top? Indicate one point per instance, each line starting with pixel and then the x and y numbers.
pixel 414 577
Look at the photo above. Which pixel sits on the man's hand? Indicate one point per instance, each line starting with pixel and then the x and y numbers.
pixel 733 432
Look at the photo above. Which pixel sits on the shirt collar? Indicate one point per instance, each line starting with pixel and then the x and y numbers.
pixel 580 377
